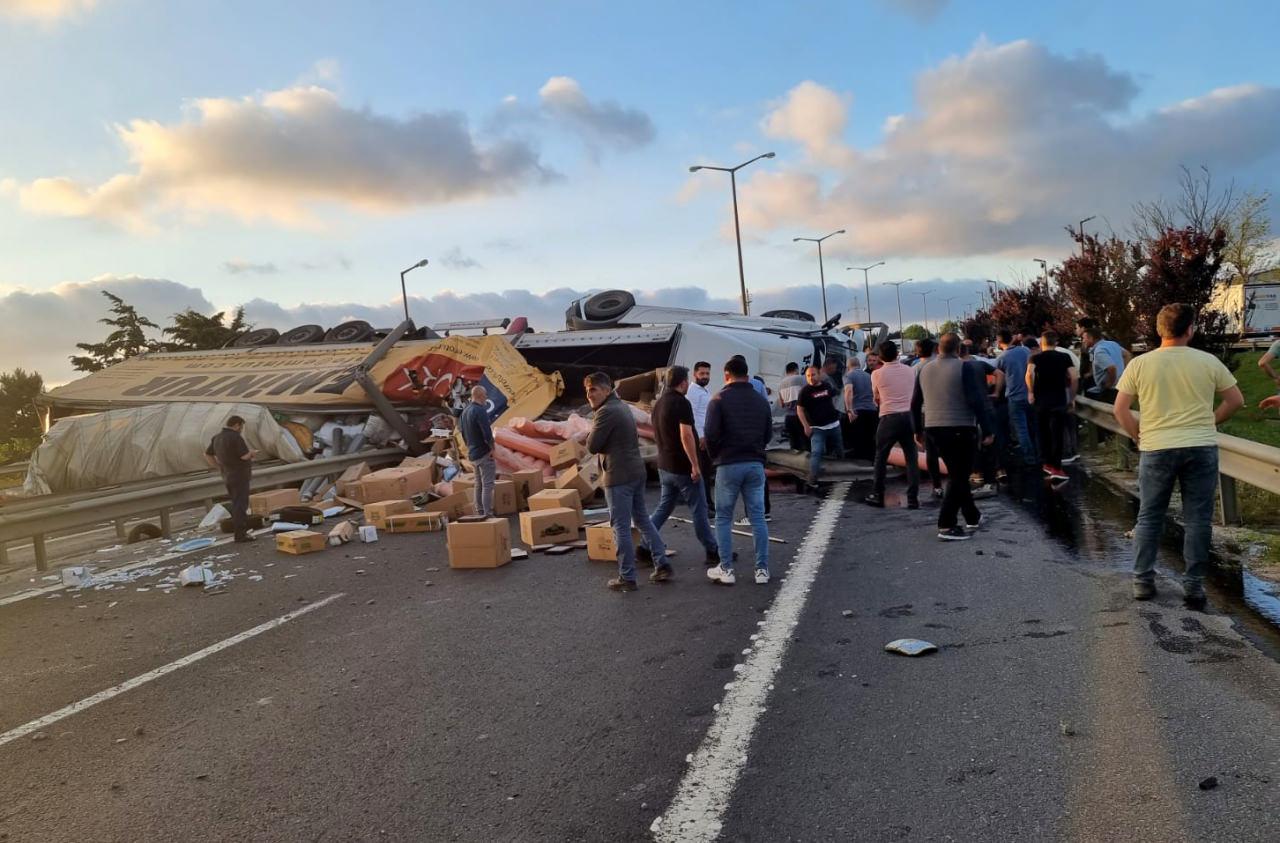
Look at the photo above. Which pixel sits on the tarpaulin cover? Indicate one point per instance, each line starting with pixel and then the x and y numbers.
pixel 142 443
pixel 322 378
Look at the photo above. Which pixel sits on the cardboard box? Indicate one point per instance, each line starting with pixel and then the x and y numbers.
pixel 399 483
pixel 343 533
pixel 301 541
pixel 600 544
pixel 549 526
pixel 583 479
pixel 351 475
pixel 265 503
pixel 426 461
pixel 566 454
pixel 464 483
pixel 455 506
pixel 480 544
pixel 437 444
pixel 378 513
pixel 368 533
pixel 417 522
pixel 556 498
pixel 504 498
pixel 527 483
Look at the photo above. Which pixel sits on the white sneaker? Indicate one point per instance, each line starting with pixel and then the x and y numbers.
pixel 984 491
pixel 762 577
pixel 742 522
pixel 973 528
pixel 1069 460
pixel 720 576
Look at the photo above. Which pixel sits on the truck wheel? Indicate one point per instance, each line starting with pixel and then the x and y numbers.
pixel 302 335
pixel 608 306
pixel 355 331
pixel 262 336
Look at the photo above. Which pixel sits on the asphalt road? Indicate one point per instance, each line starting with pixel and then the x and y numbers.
pixel 529 703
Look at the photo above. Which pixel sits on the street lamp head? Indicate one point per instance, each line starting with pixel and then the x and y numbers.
pixel 841 231
pixel 695 169
pixel 797 239
pixel 771 155
pixel 874 265
pixel 422 262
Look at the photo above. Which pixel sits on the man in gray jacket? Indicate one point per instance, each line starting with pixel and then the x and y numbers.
pixel 477 433
pixel 613 436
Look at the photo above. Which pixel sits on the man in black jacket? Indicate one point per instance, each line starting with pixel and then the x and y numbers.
pixel 229 453
pixel 613 436
pixel 739 427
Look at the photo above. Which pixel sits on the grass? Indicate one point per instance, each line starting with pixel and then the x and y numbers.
pixel 1251 423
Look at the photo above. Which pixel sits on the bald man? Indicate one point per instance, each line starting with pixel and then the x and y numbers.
pixel 477 433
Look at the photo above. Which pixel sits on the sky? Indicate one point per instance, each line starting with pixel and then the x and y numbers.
pixel 294 157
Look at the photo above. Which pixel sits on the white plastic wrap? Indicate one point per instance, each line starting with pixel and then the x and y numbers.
pixel 143 443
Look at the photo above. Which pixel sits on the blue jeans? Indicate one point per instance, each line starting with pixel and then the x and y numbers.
pixel 1020 428
pixel 627 507
pixel 686 490
pixel 745 480
pixel 1196 472
pixel 820 442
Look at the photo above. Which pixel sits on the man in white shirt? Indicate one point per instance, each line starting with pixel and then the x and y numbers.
pixel 699 396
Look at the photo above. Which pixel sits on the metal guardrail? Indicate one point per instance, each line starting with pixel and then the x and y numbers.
pixel 1239 459
pixel 34 521
pixel 14 468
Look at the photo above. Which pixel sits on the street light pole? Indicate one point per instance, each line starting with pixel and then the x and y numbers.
pixel 822 275
pixel 1080 231
pixel 737 230
pixel 866 284
pixel 897 288
pixel 924 299
pixel 404 295
pixel 948 300
pixel 1044 268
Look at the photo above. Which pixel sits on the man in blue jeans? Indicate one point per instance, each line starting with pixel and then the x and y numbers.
pixel 678 470
pixel 739 428
pixel 820 421
pixel 1011 383
pixel 613 436
pixel 1178 439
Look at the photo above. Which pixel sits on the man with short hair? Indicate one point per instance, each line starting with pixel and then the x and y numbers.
pixel 1051 384
pixel 739 428
pixel 678 468
pixel 1011 382
pixel 229 453
pixel 924 352
pixel 893 385
pixel 1106 362
pixel 613 436
pixel 950 408
pixel 477 434
pixel 1178 440
pixel 699 397
pixel 862 412
pixel 788 395
pixel 820 421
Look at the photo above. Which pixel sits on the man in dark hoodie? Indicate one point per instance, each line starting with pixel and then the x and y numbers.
pixel 739 427
pixel 613 436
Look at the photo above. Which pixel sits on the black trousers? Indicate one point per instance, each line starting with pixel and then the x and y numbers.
pixel 1051 424
pixel 897 429
pixel 957 447
pixel 795 433
pixel 238 492
pixel 861 441
pixel 708 472
pixel 931 463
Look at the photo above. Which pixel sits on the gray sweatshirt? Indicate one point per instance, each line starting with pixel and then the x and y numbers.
pixel 613 436
pixel 949 394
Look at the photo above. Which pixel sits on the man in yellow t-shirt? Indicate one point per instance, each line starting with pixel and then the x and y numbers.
pixel 1175 386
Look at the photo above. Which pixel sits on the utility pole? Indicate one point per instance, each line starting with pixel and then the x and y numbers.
pixel 737 231
pixel 897 288
pixel 822 275
pixel 866 284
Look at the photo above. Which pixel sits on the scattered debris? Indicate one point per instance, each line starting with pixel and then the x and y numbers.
pixel 77 576
pixel 1209 783
pixel 848 613
pixel 1067 729
pixel 910 647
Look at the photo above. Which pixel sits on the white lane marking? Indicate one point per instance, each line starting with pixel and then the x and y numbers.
pixel 130 684
pixel 697 811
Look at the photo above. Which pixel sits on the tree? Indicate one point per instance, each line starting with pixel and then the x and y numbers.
pixel 915 332
pixel 978 327
pixel 1105 282
pixel 129 338
pixel 1183 266
pixel 1199 206
pixel 192 331
pixel 19 419
pixel 1249 244
pixel 1032 309
pixel 949 327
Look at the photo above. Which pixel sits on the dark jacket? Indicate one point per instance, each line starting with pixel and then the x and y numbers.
pixel 739 425
pixel 477 431
pixel 613 436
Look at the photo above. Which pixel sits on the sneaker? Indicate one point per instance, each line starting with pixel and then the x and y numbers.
pixel 955 534
pixel 986 490
pixel 1193 601
pixel 644 556
pixel 720 576
pixel 974 527
pixel 742 522
pixel 1056 473
pixel 1069 460
pixel 662 573
pixel 1048 470
pixel 619 584
pixel 938 491
pixel 762 577
pixel 767 518
pixel 874 500
pixel 1143 590
pixel 913 503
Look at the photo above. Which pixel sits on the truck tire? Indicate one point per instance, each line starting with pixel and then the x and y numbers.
pixel 355 331
pixel 608 306
pixel 799 315
pixel 302 335
pixel 262 336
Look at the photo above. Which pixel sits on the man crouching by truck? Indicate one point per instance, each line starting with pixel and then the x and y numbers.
pixel 229 453
pixel 613 436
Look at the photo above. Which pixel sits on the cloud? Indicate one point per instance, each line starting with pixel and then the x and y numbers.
pixel 284 155
pixel 455 259
pixel 1005 146
pixel 337 262
pixel 923 11
pixel 42 328
pixel 239 267
pixel 44 10
pixel 598 122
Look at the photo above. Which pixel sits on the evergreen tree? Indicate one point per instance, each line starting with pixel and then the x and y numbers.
pixel 129 338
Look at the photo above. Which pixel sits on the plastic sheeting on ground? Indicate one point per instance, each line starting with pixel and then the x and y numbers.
pixel 143 443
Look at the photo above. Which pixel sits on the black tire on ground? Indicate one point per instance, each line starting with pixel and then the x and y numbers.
pixel 302 335
pixel 262 336
pixel 355 331
pixel 608 306
pixel 142 532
